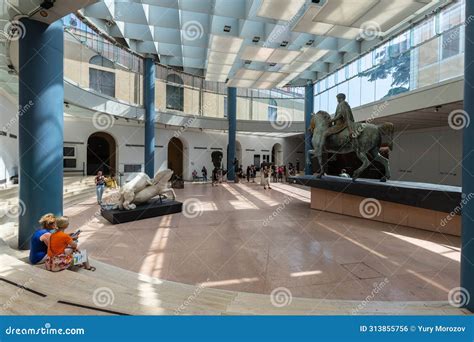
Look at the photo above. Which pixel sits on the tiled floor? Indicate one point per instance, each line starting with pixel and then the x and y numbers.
pixel 251 240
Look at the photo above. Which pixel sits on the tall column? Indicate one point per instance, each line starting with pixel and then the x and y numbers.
pixel 149 103
pixel 232 117
pixel 467 234
pixel 308 110
pixel 41 122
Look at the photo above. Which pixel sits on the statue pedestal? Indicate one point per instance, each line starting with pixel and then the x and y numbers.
pixel 424 206
pixel 154 208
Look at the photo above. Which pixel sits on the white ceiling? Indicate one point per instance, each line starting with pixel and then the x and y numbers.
pixel 253 43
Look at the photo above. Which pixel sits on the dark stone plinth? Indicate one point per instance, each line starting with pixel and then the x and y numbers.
pixel 422 195
pixel 154 208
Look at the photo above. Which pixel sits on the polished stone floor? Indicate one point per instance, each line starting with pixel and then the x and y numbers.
pixel 241 237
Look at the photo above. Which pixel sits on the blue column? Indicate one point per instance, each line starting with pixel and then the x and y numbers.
pixel 467 234
pixel 232 117
pixel 308 110
pixel 41 122
pixel 149 102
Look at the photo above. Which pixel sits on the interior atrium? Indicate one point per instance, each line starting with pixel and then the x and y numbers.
pixel 244 157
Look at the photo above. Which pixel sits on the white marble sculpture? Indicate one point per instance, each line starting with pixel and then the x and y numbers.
pixel 142 188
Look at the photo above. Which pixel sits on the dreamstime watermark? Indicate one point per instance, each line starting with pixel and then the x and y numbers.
pixel 455 33
pixel 282 121
pixel 18 293
pixel 457 210
pixel 192 208
pixel 370 208
pixel 103 296
pixel 186 125
pixel 458 119
pixel 102 121
pixel 191 298
pixel 192 30
pixel 279 31
pixel 277 211
pixel 13 30
pixel 22 110
pixel 370 30
pixel 378 287
pixel 458 297
pixel 281 297
pixel 46 330
pixel 13 211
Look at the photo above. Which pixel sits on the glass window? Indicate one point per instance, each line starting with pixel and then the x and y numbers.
pixel 451 17
pixel 323 85
pixel 353 69
pixel 424 31
pixel 451 43
pixel 367 90
pixel 332 101
pixel 381 54
pixel 366 62
pixel 174 93
pixel 343 88
pixel 332 80
pixel 341 75
pixel 354 92
pixel 324 101
pixel 225 106
pixel 272 111
pixel 317 104
pixel 101 80
pixel 428 53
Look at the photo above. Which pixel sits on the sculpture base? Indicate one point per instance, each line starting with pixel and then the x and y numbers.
pixel 154 208
pixel 424 206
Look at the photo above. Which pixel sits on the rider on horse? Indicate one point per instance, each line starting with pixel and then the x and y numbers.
pixel 343 119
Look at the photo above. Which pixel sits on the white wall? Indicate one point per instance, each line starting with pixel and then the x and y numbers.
pixel 198 145
pixel 429 156
pixel 8 144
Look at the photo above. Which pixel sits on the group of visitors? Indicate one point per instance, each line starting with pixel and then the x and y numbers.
pixel 279 173
pixel 203 173
pixel 251 173
pixel 55 248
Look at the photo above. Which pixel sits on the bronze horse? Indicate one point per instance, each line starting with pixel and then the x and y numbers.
pixel 369 137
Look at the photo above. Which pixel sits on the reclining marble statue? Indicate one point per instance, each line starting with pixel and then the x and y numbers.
pixel 142 189
pixel 341 135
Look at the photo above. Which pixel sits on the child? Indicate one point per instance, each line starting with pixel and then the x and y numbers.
pixel 62 250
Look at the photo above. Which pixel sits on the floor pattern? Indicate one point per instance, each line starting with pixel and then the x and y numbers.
pixel 240 237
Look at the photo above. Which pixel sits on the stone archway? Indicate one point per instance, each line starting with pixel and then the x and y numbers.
pixel 176 156
pixel 101 154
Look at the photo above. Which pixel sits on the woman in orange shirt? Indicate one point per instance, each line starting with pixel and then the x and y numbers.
pixel 62 249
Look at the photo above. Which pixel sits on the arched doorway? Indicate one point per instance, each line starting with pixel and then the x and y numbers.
pixel 101 154
pixel 176 156
pixel 277 155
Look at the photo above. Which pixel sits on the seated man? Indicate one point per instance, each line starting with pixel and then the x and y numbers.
pixel 62 250
pixel 38 246
pixel 342 119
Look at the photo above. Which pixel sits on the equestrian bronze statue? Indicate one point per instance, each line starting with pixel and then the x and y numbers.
pixel 341 135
